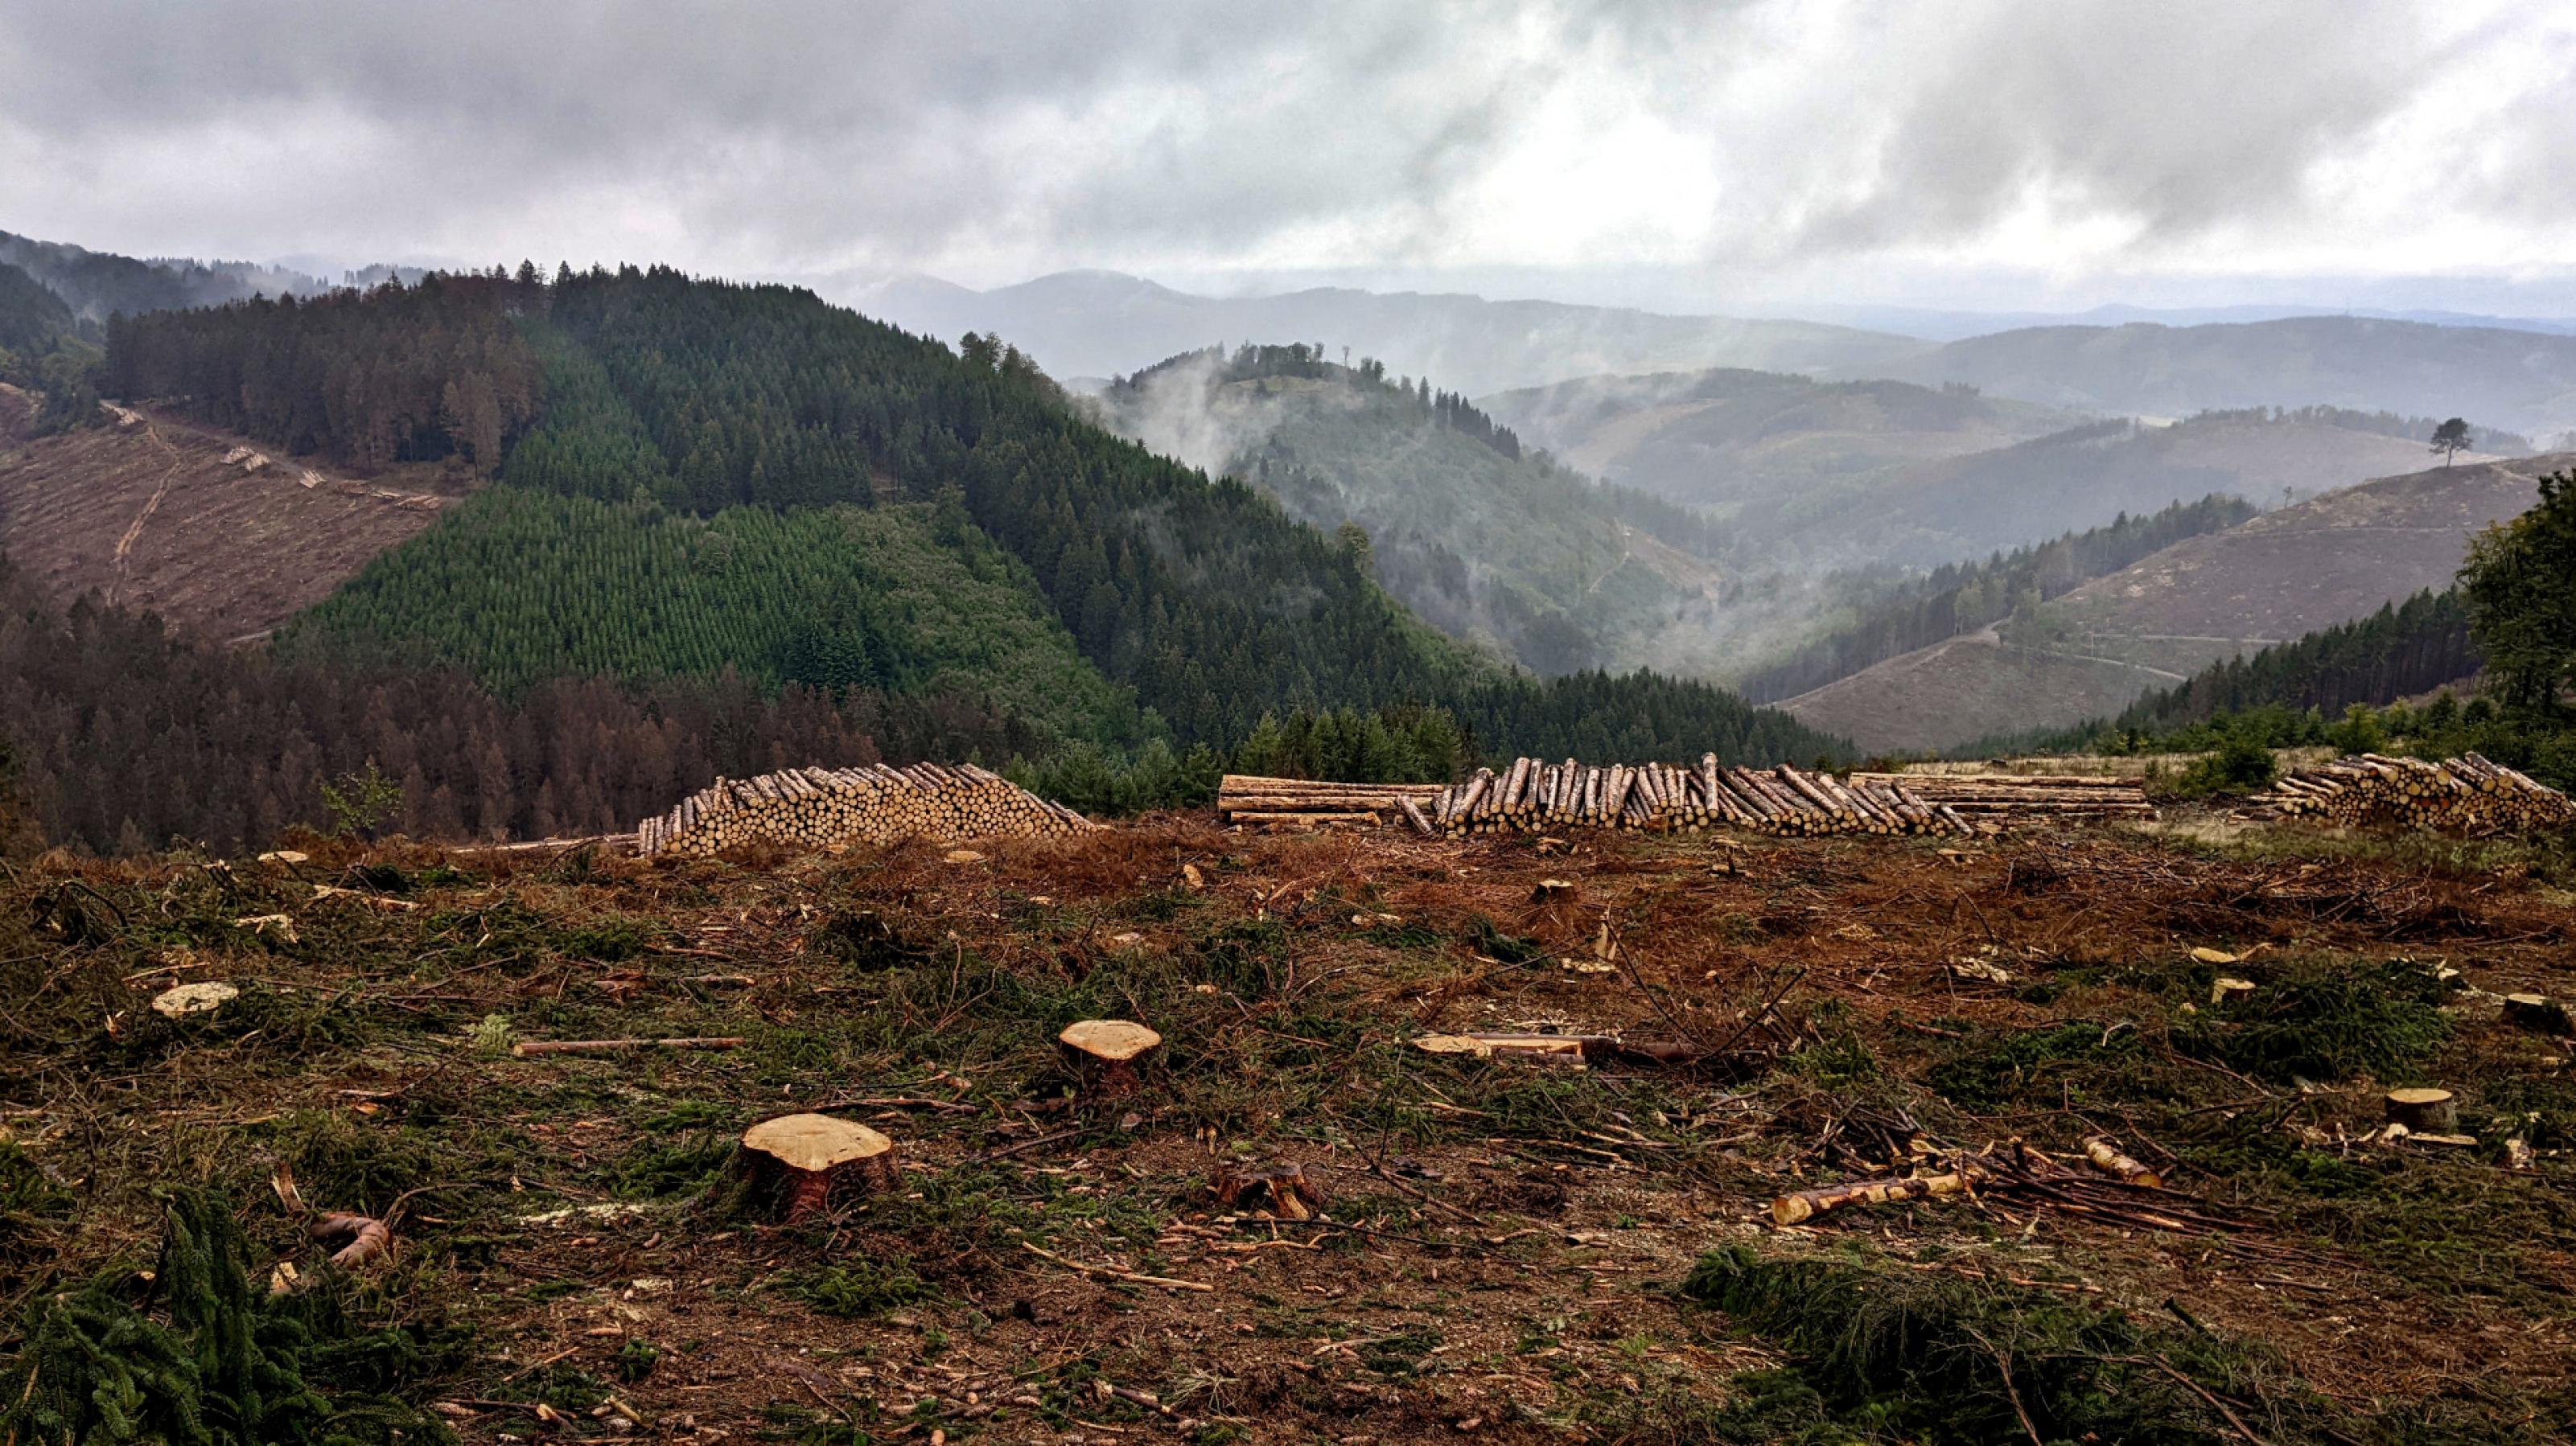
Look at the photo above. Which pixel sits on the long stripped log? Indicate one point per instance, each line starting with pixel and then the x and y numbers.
pixel 1807 1204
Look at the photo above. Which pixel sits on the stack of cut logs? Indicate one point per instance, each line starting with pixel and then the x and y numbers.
pixel 1533 795
pixel 2467 794
pixel 814 807
pixel 1304 803
pixel 2022 793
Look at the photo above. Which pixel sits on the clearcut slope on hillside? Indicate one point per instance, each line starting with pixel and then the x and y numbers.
pixel 2328 560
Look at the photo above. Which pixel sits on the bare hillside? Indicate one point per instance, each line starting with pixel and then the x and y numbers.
pixel 2328 560
pixel 221 536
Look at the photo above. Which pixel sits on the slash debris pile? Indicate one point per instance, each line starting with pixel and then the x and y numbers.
pixel 875 804
pixel 2467 794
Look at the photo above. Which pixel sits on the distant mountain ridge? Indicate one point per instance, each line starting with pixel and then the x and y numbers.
pixel 1883 473
pixel 2520 375
pixel 1483 541
pixel 1101 323
pixel 2523 380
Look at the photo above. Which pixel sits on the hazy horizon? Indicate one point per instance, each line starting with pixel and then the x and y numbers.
pixel 1762 159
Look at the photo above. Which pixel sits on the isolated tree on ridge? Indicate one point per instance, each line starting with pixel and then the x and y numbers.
pixel 2451 438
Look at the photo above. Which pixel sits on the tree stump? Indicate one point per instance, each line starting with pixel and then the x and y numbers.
pixel 2536 1011
pixel 809 1158
pixel 2424 1111
pixel 1105 1054
pixel 1280 1188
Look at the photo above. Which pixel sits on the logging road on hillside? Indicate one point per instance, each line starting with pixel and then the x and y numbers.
pixel 134 529
pixel 1995 639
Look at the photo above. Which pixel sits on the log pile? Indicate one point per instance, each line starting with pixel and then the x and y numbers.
pixel 816 807
pixel 1303 803
pixel 2032 794
pixel 1534 795
pixel 2467 794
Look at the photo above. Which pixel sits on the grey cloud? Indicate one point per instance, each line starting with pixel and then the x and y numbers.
pixel 1006 139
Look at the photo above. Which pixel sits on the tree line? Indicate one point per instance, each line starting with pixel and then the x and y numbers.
pixel 367 379
pixel 2404 648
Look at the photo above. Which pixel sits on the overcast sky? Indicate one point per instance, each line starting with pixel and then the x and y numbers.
pixel 1988 153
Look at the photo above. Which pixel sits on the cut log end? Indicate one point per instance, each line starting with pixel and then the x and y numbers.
pixel 810 1158
pixel 2107 1157
pixel 1107 1056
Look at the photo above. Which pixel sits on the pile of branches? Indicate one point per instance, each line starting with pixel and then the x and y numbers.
pixel 2467 794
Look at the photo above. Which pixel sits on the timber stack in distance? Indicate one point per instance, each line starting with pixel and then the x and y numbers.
pixel 1533 795
pixel 2467 794
pixel 823 807
pixel 1972 794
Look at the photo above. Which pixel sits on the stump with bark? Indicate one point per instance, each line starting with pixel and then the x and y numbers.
pixel 2424 1111
pixel 1107 1056
pixel 1280 1189
pixel 2536 1011
pixel 797 1165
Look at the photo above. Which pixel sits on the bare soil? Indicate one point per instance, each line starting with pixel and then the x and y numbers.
pixel 224 537
pixel 1502 1243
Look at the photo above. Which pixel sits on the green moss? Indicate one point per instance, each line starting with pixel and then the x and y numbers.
pixel 663 1169
pixel 863 1287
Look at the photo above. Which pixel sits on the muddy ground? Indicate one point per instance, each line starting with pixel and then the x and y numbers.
pixel 1508 1250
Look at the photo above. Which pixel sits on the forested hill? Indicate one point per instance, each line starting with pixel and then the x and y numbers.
pixel 1547 567
pixel 681 399
pixel 99 284
pixel 2401 650
pixel 32 319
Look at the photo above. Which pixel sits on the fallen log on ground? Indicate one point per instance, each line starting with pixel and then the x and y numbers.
pixel 2141 1200
pixel 2110 1159
pixel 1568 1048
